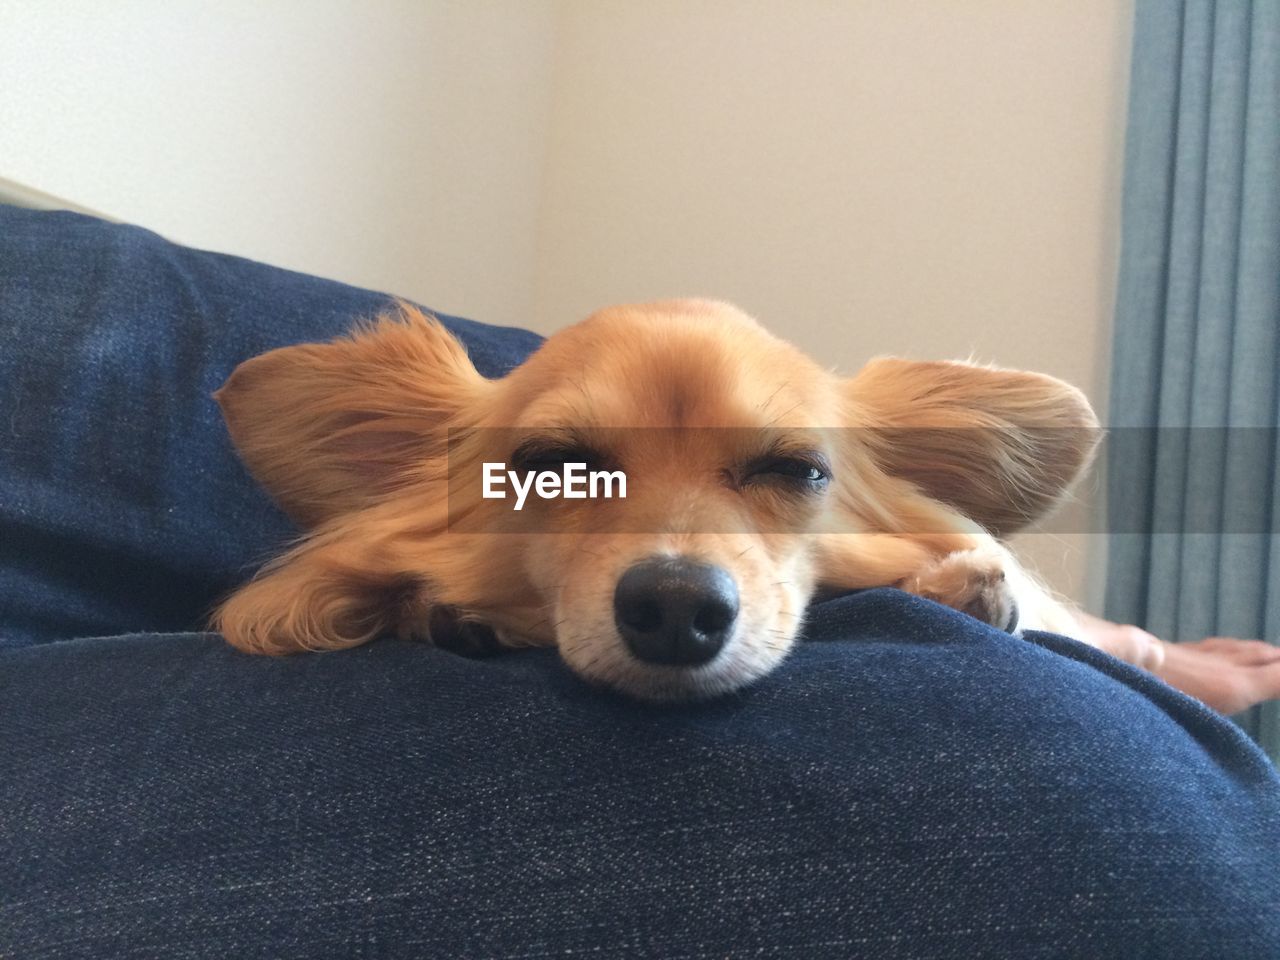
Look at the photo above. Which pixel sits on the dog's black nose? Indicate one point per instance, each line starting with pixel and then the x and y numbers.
pixel 675 611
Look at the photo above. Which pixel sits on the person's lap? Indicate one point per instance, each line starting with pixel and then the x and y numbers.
pixel 915 785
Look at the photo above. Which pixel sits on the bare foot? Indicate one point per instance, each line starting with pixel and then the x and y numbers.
pixel 1227 674
pixel 1131 644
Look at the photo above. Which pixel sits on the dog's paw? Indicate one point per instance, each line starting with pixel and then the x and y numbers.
pixel 971 581
pixel 444 628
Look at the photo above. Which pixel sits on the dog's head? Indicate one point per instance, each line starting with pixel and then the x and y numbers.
pixel 746 465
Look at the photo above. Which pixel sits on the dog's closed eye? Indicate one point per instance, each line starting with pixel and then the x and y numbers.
pixel 537 454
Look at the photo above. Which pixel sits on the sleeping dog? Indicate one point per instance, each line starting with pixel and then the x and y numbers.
pixel 753 479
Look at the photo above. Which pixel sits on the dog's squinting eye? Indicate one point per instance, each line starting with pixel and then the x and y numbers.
pixel 537 456
pixel 809 472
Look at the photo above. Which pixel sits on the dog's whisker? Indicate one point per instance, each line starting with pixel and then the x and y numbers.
pixel 765 406
pixel 787 413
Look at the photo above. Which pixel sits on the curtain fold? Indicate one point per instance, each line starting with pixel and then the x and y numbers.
pixel 1193 496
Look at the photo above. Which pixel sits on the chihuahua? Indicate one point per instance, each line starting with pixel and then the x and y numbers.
pixel 751 479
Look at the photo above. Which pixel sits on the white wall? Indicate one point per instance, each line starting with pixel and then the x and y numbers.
pixel 396 144
pixel 930 177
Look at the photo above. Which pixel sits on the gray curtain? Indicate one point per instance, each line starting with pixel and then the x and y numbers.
pixel 1193 496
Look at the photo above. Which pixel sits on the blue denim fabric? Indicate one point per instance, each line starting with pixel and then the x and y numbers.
pixel 918 786
pixel 909 784
pixel 122 504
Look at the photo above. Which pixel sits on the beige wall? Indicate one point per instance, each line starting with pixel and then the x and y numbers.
pixel 924 177
pixel 396 144
pixel 929 178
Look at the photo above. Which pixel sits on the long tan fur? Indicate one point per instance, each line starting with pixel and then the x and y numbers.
pixel 373 444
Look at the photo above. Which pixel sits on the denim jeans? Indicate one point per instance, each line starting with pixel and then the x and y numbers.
pixel 910 784
pixel 122 504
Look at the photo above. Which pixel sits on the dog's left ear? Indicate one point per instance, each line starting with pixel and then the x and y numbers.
pixel 1001 446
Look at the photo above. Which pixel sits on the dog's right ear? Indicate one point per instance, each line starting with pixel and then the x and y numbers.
pixel 330 428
